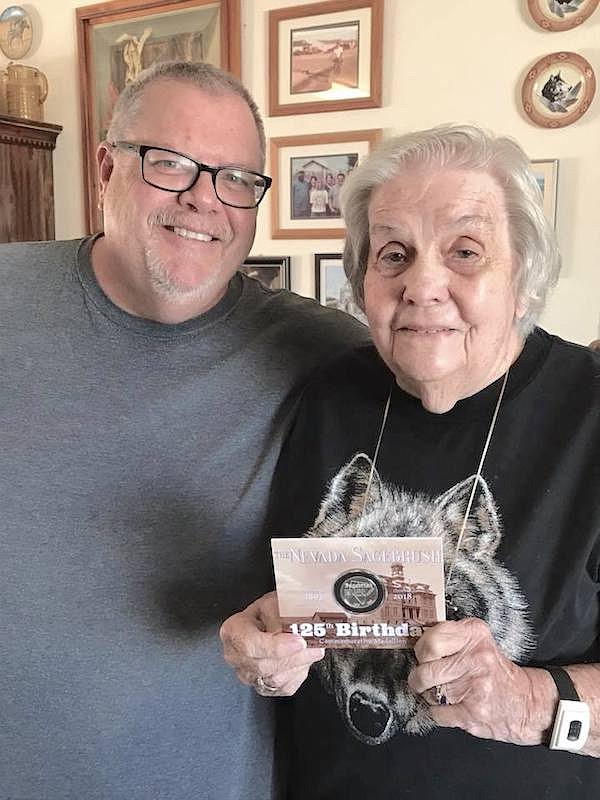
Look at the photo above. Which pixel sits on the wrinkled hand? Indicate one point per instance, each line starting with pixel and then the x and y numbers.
pixel 488 696
pixel 275 663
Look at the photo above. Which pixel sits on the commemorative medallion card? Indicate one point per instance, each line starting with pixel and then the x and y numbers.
pixel 359 591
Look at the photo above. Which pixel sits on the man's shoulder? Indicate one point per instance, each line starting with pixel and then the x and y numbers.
pixel 299 326
pixel 306 316
pixel 28 255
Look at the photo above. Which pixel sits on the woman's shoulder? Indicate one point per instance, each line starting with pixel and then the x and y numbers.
pixel 570 371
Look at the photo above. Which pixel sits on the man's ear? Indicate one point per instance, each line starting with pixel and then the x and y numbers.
pixel 104 162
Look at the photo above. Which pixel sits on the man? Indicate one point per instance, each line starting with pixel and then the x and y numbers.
pixel 334 194
pixel 146 388
pixel 300 196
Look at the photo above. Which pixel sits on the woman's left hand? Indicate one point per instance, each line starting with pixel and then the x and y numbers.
pixel 471 685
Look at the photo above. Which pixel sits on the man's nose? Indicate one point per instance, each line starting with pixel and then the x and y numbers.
pixel 201 195
pixel 426 280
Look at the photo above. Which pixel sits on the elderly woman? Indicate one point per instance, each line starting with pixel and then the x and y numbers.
pixel 491 426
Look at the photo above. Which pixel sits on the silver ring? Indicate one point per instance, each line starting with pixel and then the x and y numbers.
pixel 264 688
pixel 440 695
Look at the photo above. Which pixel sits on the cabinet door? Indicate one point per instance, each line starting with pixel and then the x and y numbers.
pixel 26 183
pixel 27 192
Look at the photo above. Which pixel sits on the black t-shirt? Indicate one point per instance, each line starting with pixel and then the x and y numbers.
pixel 543 472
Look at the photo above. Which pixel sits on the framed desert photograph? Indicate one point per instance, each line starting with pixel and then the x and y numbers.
pixel 332 288
pixel 546 174
pixel 325 56
pixel 118 39
pixel 308 175
pixel 272 271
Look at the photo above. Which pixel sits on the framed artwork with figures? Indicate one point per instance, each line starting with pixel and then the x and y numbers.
pixel 118 39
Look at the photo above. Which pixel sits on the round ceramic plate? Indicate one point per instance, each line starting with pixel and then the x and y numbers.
pixel 16 32
pixel 558 90
pixel 561 15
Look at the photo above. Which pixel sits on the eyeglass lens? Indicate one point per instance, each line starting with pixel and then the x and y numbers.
pixel 233 186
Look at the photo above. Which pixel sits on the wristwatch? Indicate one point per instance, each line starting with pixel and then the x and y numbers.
pixel 572 720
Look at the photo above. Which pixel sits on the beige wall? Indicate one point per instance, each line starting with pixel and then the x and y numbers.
pixel 443 61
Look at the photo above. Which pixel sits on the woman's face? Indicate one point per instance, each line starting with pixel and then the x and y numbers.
pixel 439 291
pixel 313 182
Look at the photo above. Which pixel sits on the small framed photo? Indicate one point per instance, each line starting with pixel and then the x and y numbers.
pixel 325 57
pixel 272 271
pixel 332 288
pixel 120 38
pixel 308 174
pixel 546 174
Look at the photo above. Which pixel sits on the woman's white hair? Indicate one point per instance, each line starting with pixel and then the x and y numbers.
pixel 460 147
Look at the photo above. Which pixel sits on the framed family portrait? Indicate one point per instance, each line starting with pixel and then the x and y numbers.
pixel 308 175
pixel 118 39
pixel 272 271
pixel 332 288
pixel 325 57
pixel 546 174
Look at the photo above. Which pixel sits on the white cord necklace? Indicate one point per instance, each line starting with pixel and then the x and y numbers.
pixel 488 439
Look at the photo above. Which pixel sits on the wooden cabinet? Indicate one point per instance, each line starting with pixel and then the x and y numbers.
pixel 26 181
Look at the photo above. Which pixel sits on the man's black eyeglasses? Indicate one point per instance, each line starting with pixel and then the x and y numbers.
pixel 174 172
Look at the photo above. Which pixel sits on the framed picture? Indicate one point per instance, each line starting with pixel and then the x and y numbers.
pixel 332 288
pixel 272 271
pixel 325 57
pixel 308 174
pixel 118 39
pixel 546 174
pixel 561 15
pixel 558 89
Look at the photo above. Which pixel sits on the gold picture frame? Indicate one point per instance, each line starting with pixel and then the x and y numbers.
pixel 325 57
pixel 118 39
pixel 295 212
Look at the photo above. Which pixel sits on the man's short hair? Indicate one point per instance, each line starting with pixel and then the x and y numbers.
pixel 206 77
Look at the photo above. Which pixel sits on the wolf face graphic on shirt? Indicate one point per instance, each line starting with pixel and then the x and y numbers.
pixel 370 686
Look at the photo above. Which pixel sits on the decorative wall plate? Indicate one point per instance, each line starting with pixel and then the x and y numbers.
pixel 16 32
pixel 558 90
pixel 561 15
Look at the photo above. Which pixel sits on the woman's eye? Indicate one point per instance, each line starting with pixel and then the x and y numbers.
pixel 393 256
pixel 465 252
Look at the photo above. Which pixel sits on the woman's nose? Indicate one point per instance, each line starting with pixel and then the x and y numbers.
pixel 425 281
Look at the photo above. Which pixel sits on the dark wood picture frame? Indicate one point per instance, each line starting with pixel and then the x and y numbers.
pixel 331 16
pixel 343 300
pixel 274 272
pixel 120 12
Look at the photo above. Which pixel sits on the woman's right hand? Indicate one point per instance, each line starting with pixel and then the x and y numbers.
pixel 276 664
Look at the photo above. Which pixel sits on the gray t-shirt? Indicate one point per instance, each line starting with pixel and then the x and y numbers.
pixel 135 465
